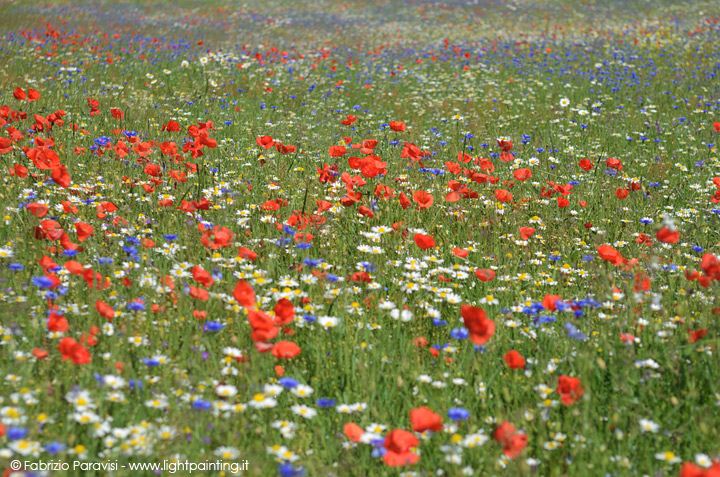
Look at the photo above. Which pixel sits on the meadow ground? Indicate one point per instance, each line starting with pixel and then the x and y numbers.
pixel 360 238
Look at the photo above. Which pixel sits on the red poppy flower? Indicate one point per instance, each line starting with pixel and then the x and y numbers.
pixel 398 444
pixel 262 325
pixel 481 329
pixel 504 145
pixel 697 335
pixel 337 151
pixel 452 197
pixel 38 210
pixel 514 359
pixel 503 196
pixel 202 276
pixel 105 310
pixel 19 94
pixel 522 174
pixel 423 199
pixel 569 389
pixel 153 170
pixel 83 231
pixel 503 432
pixel 49 229
pixel 608 253
pixel 353 432
pixel 613 163
pixel 362 210
pixel 423 419
pixel 244 294
pixel 398 126
pixel 284 312
pixel 61 176
pixel 464 157
pixel 513 442
pixel 526 232
pixel 285 350
pixel 199 293
pixel 178 176
pixel 57 323
pixel 43 158
pixel 265 141
pixel 621 193
pixel 75 268
pixel 585 164
pixel 485 274
pixel 350 119
pixel 666 235
pixel 19 170
pixel 710 265
pixel 424 241
pixel 326 174
pixel 549 302
pixel 644 239
pixel 171 126
pixel 247 253
pixel 421 342
pixel 462 253
pixel 691 470
pixel 71 349
pixel 217 237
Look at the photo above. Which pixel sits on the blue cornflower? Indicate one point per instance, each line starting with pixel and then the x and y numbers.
pixel 201 405
pixel 54 447
pixel 367 266
pixel 288 382
pixel 42 282
pixel 15 433
pixel 325 402
pixel 213 326
pixel 378 448
pixel 459 333
pixel 574 333
pixel 136 305
pixel 458 414
pixel 287 470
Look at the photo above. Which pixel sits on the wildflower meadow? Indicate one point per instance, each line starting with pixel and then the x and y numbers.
pixel 378 237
